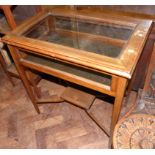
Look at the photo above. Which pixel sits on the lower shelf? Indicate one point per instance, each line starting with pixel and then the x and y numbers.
pixel 77 97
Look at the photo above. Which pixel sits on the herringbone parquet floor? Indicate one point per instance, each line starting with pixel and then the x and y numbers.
pixel 60 125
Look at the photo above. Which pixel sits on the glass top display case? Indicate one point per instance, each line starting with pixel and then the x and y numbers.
pixel 91 49
pixel 105 43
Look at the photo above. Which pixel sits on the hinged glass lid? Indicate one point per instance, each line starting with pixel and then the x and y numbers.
pixel 92 36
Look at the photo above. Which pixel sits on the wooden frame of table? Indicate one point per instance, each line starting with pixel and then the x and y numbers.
pixel 120 69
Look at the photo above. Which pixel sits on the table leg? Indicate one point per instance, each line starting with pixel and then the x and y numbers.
pixel 9 16
pixel 23 76
pixel 121 86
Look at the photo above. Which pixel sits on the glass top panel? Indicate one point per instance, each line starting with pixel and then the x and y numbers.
pixel 91 36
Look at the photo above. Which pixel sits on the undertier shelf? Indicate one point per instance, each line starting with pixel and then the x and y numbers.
pixel 77 97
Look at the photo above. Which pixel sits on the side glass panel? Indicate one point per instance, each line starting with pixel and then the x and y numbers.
pixel 67 68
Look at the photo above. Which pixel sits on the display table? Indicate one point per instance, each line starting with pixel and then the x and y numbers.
pixel 87 48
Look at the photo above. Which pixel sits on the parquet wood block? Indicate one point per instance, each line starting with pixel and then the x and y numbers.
pixel 48 122
pixel 26 134
pixel 77 97
pixel 3 133
pixel 12 126
pixel 7 143
pixel 70 135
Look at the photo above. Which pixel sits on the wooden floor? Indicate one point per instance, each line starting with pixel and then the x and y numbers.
pixel 59 125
